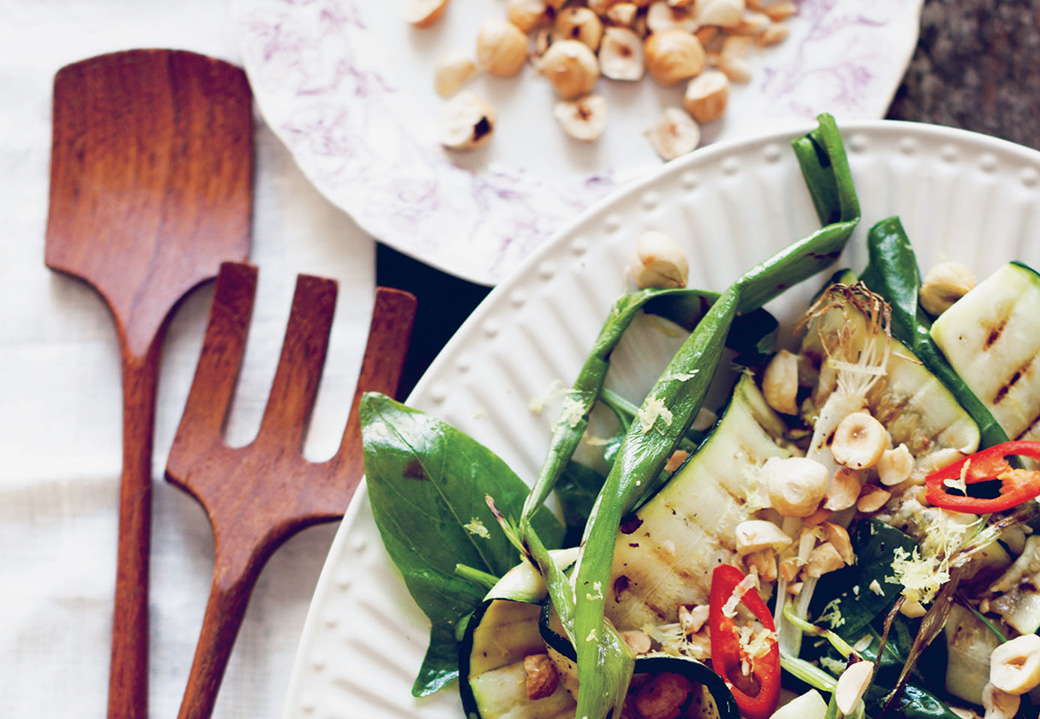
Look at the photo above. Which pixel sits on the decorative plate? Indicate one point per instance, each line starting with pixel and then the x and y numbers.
pixel 960 196
pixel 348 86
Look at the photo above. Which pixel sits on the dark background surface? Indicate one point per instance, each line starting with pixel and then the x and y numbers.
pixel 976 67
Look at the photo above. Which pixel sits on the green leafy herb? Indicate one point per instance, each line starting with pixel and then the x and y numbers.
pixel 852 597
pixel 915 701
pixel 930 627
pixel 427 484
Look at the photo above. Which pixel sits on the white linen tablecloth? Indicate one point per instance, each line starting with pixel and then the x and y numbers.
pixel 60 399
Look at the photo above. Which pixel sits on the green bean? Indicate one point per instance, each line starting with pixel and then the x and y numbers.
pixel 567 434
pixel 574 420
pixel 681 390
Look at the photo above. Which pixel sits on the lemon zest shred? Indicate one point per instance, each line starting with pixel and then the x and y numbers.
pixel 477 528
pixel 652 410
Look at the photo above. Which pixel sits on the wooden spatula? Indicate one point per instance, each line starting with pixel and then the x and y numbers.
pixel 151 189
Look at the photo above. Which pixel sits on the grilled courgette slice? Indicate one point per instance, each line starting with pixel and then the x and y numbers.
pixel 515 665
pixel 665 553
pixel 991 338
pixel 685 687
pixel 912 403
pixel 500 634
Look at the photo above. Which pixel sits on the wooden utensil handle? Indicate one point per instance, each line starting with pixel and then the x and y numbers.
pixel 225 609
pixel 128 673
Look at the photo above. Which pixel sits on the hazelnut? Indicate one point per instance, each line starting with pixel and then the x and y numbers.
pixel 673 56
pixel 674 134
pixel 944 284
pixel 707 96
pixel 795 485
pixel 584 118
pixel 501 48
pixel 571 68
pixel 424 13
pixel 580 23
pixel 467 122
pixel 621 54
pixel 658 261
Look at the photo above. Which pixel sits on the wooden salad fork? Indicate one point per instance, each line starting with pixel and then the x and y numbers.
pixel 151 189
pixel 259 495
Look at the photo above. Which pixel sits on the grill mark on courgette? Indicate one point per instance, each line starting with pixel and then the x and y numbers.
pixel 1002 393
pixel 1030 428
pixel 638 596
pixel 641 586
pixel 896 415
pixel 994 334
pixel 726 542
pixel 620 585
pixel 670 559
pixel 887 410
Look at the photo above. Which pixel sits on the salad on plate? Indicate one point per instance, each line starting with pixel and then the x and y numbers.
pixel 832 519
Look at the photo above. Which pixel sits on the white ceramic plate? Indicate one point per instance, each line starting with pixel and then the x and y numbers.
pixel 960 195
pixel 348 86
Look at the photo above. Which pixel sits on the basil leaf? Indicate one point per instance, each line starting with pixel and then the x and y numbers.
pixel 846 602
pixel 440 666
pixel 915 700
pixel 427 484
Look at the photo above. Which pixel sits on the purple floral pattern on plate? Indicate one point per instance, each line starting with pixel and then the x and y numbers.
pixel 348 87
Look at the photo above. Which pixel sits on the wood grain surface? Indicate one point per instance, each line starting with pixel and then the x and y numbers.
pixel 151 189
pixel 259 495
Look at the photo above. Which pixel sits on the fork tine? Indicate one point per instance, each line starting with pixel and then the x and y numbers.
pixel 295 385
pixel 216 374
pixel 257 496
pixel 388 338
